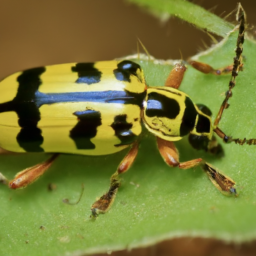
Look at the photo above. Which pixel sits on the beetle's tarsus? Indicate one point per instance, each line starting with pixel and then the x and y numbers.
pixel 222 182
pixel 95 213
pixel 103 204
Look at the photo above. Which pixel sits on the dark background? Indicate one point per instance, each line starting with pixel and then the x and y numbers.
pixel 35 33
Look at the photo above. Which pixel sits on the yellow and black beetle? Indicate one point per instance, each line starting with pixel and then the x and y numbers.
pixel 99 108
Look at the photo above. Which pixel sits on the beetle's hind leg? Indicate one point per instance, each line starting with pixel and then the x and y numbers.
pixel 29 175
pixel 103 204
pixel 170 155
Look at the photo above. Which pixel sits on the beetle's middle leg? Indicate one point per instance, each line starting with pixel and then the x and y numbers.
pixel 170 155
pixel 103 204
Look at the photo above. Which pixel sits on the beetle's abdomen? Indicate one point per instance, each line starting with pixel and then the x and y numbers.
pixel 83 108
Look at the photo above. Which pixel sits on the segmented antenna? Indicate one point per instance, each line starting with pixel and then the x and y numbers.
pixel 241 18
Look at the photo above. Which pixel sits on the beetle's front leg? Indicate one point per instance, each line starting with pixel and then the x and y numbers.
pixel 29 175
pixel 176 75
pixel 103 204
pixel 207 69
pixel 170 155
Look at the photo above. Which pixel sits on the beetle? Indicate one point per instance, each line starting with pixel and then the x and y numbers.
pixel 99 108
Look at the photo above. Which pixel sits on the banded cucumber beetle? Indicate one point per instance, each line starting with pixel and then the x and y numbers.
pixel 99 108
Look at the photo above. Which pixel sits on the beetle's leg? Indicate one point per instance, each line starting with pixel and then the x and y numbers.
pixel 177 73
pixel 103 204
pixel 237 64
pixel 207 69
pixel 176 76
pixel 29 175
pixel 168 152
pixel 170 155
pixel 222 182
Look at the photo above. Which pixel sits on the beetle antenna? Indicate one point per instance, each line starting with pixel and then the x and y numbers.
pixel 238 65
pixel 240 16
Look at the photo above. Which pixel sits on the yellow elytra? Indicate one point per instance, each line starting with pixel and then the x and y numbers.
pixel 91 109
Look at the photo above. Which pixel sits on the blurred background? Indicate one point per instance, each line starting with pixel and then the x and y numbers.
pixel 36 33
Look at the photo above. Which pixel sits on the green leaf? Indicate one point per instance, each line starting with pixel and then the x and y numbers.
pixel 155 202
pixel 189 12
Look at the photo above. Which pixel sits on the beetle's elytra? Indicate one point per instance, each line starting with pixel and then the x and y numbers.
pixel 99 108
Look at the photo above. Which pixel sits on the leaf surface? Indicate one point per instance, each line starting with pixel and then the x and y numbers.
pixel 155 202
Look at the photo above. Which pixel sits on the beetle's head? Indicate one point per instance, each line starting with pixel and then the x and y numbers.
pixel 170 114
